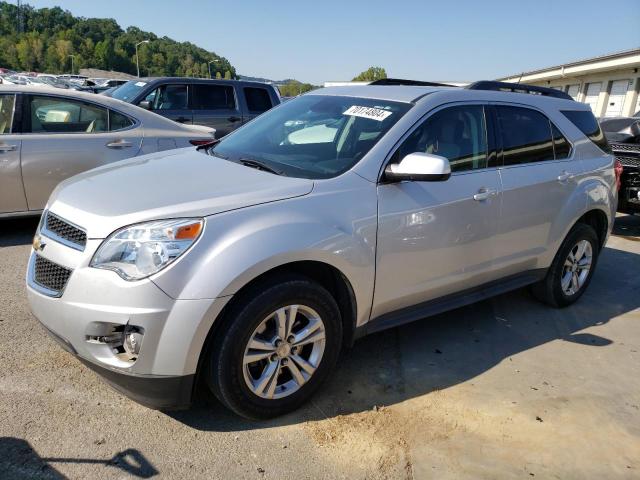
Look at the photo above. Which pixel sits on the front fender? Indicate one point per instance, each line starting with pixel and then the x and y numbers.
pixel 338 229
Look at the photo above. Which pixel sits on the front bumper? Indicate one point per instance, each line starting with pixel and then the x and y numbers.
pixel 158 392
pixel 94 301
pixel 629 195
pixel 628 154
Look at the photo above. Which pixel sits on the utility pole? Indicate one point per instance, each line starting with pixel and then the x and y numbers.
pixel 137 62
pixel 20 24
pixel 72 57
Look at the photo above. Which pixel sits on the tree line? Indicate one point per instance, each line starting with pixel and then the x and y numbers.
pixel 293 88
pixel 371 74
pixel 45 39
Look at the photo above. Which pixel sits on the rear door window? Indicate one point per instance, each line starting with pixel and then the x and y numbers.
pixel 588 125
pixel 258 99
pixel 61 115
pixel 213 97
pixel 526 135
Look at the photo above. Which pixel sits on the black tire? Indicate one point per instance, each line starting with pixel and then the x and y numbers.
pixel 224 367
pixel 550 290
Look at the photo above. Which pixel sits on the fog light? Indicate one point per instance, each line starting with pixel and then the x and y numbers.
pixel 132 339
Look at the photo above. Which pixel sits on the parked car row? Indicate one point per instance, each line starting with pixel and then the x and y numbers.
pixel 48 135
pixel 74 82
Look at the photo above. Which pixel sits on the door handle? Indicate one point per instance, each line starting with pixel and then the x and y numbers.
pixel 182 119
pixel 565 177
pixel 234 119
pixel 484 194
pixel 7 148
pixel 119 144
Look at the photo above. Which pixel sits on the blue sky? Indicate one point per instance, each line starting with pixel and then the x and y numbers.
pixel 426 40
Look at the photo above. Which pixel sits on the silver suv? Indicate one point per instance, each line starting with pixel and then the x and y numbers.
pixel 246 266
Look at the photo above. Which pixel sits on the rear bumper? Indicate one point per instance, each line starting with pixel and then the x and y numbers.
pixel 153 391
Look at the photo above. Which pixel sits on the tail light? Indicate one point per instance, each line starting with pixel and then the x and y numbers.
pixel 202 141
pixel 618 169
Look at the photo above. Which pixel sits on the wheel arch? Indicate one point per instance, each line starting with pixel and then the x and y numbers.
pixel 325 274
pixel 328 276
pixel 598 220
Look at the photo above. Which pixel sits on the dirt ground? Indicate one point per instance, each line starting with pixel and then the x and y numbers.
pixel 506 388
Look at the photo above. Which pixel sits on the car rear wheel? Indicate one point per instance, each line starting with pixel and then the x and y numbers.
pixel 280 343
pixel 572 268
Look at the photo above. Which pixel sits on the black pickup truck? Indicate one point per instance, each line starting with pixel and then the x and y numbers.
pixel 623 134
pixel 221 104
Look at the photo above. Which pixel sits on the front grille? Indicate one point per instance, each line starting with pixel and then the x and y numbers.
pixel 66 231
pixel 50 275
pixel 629 161
pixel 625 147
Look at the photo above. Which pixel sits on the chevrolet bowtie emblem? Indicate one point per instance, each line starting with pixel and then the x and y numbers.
pixel 38 244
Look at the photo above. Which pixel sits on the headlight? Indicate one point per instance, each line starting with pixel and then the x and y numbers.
pixel 141 250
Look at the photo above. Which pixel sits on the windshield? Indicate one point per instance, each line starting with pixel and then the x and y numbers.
pixel 313 136
pixel 127 91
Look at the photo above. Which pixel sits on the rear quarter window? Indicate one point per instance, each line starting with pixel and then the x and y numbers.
pixel 561 146
pixel 587 123
pixel 118 121
pixel 258 99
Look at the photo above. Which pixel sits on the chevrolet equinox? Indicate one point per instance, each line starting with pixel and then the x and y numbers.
pixel 249 263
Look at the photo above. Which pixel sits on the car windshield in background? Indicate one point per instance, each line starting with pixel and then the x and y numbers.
pixel 313 136
pixel 129 90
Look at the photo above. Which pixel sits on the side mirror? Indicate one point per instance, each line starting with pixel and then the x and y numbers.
pixel 419 167
pixel 146 104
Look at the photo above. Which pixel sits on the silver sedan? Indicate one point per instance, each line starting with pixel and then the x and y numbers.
pixel 49 134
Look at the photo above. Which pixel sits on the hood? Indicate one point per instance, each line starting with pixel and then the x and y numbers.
pixel 177 183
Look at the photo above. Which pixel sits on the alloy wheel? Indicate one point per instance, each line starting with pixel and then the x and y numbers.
pixel 284 351
pixel 577 265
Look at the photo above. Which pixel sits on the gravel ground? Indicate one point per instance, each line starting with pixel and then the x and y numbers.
pixel 505 388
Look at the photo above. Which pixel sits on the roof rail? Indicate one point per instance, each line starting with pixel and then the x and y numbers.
pixel 400 81
pixel 518 88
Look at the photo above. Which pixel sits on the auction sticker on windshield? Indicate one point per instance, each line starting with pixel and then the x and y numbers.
pixel 368 112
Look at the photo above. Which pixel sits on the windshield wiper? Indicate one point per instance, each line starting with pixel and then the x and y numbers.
pixel 250 162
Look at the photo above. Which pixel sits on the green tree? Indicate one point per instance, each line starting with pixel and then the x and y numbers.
pixel 371 74
pixel 52 34
pixel 293 88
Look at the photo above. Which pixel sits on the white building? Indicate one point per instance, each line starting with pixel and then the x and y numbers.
pixel 610 84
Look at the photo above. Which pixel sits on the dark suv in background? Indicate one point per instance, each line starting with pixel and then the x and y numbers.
pixel 623 134
pixel 221 104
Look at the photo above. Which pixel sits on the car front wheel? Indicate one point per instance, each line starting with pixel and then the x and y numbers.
pixel 280 342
